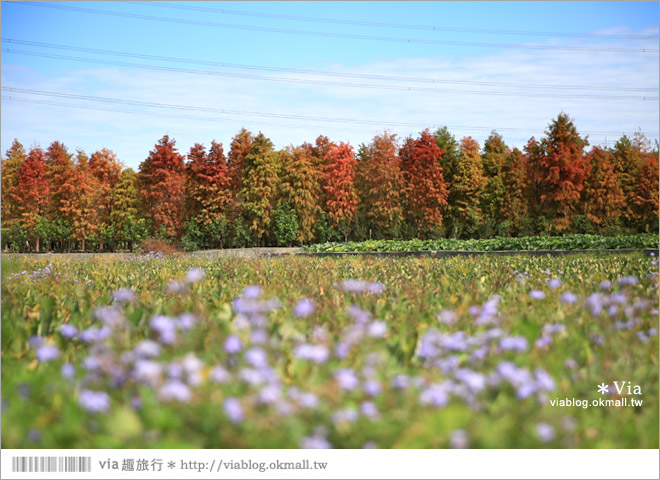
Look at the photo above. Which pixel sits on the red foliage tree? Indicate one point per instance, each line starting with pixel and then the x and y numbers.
pixel 208 183
pixel 162 185
pixel 425 187
pixel 339 187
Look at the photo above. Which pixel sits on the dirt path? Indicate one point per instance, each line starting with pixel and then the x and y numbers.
pixel 210 254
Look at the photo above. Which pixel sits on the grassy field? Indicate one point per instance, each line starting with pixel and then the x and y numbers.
pixel 288 352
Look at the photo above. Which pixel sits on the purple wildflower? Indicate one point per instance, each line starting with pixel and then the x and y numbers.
pixel 259 337
pixel 269 394
pixel 233 344
pixel 372 388
pixel 147 348
pixel 436 395
pixel 165 327
pixel 194 275
pixel 362 286
pixel 537 294
pixel 175 390
pixel 309 400
pixel 377 329
pixel 186 321
pixel 347 415
pixel 256 357
pixel 544 380
pixel 174 370
pixel 47 353
pixel 251 292
pixel 545 432
pixel 109 316
pixel 35 341
pixel 605 285
pixel 568 297
pixel 597 339
pixel 315 353
pixel 347 379
pixel 629 280
pixel 34 435
pixel 68 371
pixel 401 381
pixel 220 375
pixel 459 439
pixel 123 295
pixel 94 401
pixel 175 286
pixel 315 442
pixel 303 308
pixel 233 410
pixel 570 364
pixel 369 409
pixel 91 363
pixel 554 283
pixel 550 328
pixel 447 317
pixel 473 380
pixel 93 334
pixel 68 331
pixel 543 341
pixel 517 344
pixel 147 371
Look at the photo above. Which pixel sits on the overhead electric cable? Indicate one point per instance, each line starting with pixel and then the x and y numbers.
pixel 330 83
pixel 380 123
pixel 311 72
pixel 333 35
pixel 363 23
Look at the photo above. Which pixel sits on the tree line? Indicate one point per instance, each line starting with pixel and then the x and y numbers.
pixel 428 186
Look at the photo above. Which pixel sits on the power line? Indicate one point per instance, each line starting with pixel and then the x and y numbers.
pixel 378 123
pixel 329 83
pixel 165 115
pixel 313 72
pixel 397 25
pixel 334 35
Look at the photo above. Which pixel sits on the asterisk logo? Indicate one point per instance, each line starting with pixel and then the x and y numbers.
pixel 602 388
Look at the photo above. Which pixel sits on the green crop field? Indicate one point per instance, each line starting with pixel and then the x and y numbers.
pixel 286 352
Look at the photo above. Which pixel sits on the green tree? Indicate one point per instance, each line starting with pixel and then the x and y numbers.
pixel 260 181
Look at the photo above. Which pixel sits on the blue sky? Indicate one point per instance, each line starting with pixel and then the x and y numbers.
pixel 348 70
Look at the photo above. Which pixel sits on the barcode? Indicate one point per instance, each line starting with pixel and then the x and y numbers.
pixel 51 464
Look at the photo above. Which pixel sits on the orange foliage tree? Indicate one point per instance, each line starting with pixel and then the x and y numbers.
pixel 602 198
pixel 32 191
pixel 562 170
pixel 379 181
